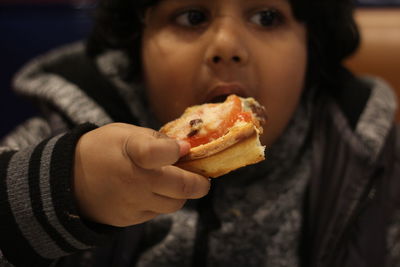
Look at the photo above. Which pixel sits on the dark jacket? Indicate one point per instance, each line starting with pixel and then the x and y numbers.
pixel 351 201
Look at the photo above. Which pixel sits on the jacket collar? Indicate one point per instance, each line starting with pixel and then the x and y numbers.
pixel 345 164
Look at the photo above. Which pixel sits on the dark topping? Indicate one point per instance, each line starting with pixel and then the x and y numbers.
pixel 195 126
pixel 260 113
pixel 192 133
pixel 195 122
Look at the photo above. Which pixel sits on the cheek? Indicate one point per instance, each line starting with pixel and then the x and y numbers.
pixel 168 77
pixel 282 91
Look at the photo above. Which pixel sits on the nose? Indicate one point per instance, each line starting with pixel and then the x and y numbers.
pixel 227 46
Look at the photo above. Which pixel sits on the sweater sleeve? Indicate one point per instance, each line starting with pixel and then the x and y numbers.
pixel 39 220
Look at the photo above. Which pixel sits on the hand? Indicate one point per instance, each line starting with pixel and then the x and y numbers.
pixel 123 175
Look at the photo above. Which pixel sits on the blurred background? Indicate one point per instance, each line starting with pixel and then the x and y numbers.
pixel 31 27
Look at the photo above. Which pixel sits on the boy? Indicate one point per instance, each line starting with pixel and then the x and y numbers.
pixel 316 201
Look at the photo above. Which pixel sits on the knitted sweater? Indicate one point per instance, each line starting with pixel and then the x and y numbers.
pixel 258 220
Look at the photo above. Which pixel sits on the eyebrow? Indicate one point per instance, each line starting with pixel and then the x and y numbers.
pixel 285 1
pixel 277 2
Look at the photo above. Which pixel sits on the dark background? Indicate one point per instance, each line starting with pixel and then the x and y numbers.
pixel 30 28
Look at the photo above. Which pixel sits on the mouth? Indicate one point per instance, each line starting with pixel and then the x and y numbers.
pixel 219 99
pixel 219 93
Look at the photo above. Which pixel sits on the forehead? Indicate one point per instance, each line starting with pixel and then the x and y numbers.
pixel 285 4
pixel 226 1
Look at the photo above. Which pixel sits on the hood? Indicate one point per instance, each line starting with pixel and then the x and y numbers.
pixel 378 116
pixel 34 81
pixel 376 119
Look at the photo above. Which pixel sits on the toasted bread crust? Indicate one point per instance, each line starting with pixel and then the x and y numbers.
pixel 237 133
pixel 246 152
pixel 238 147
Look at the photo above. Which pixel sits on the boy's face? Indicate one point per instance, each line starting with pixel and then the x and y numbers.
pixel 196 50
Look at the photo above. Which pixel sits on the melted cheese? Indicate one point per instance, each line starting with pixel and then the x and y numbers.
pixel 212 116
pixel 204 123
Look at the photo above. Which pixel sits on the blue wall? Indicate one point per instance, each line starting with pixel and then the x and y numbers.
pixel 27 31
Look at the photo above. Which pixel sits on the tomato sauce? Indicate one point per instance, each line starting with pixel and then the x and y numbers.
pixel 236 114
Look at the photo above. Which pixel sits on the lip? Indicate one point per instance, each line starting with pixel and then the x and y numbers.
pixel 226 89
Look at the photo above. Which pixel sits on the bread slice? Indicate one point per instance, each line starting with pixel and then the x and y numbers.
pixel 238 132
pixel 246 152
pixel 229 134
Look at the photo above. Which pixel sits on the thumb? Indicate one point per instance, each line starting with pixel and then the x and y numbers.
pixel 154 150
pixel 184 147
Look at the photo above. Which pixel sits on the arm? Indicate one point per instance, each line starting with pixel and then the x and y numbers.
pixel 117 175
pixel 39 218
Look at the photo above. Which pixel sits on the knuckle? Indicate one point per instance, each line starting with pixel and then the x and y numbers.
pixel 149 152
pixel 196 187
pixel 188 187
pixel 165 141
pixel 117 124
pixel 144 154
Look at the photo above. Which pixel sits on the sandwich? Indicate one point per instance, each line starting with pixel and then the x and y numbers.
pixel 223 136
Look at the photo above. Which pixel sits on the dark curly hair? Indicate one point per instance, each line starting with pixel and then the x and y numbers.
pixel 332 33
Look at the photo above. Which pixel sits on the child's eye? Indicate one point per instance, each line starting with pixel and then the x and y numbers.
pixel 267 18
pixel 191 18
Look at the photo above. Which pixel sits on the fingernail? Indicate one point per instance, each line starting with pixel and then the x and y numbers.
pixel 184 147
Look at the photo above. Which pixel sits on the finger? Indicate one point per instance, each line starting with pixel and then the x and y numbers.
pixel 184 147
pixel 153 150
pixel 144 216
pixel 133 218
pixel 177 183
pixel 164 205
